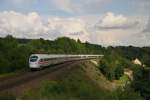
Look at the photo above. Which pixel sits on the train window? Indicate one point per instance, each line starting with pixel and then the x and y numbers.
pixel 33 58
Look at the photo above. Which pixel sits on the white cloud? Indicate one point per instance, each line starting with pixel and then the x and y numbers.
pixel 33 25
pixel 68 27
pixel 20 25
pixel 137 39
pixel 112 37
pixel 147 26
pixel 112 21
pixel 120 30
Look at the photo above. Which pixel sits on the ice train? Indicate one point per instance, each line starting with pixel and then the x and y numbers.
pixel 38 61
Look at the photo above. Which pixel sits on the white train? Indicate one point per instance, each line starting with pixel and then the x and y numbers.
pixel 38 61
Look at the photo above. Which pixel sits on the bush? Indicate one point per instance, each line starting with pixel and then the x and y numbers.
pixel 112 66
pixel 127 93
pixel 7 96
pixel 141 82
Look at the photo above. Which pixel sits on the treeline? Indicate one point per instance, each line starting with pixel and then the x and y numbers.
pixel 130 52
pixel 141 81
pixel 14 53
pixel 113 65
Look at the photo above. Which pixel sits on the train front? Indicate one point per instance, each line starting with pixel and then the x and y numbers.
pixel 33 61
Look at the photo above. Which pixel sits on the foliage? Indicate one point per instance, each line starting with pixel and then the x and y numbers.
pixel 112 65
pixel 75 86
pixel 14 53
pixel 7 96
pixel 126 93
pixel 141 82
pixel 131 53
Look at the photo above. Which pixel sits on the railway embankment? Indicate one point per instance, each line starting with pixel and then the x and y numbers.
pixel 81 80
pixel 79 76
pixel 21 80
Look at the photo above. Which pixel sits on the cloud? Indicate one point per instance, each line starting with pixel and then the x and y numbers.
pixel 112 21
pixel 147 26
pixel 110 37
pixel 120 30
pixel 67 26
pixel 137 39
pixel 120 37
pixel 32 25
pixel 20 25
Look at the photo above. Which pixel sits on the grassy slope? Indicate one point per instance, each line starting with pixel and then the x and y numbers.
pixel 82 83
pixel 13 74
pixel 92 71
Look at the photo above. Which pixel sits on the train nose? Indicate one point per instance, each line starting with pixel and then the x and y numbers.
pixel 33 65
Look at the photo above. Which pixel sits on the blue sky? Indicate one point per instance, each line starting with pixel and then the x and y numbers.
pixel 106 22
pixel 86 7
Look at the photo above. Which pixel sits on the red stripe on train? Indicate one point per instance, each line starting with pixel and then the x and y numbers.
pixel 43 62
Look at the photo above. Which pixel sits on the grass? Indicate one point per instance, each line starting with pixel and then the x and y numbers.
pixel 96 76
pixel 7 96
pixel 8 74
pixel 147 68
pixel 3 75
pixel 75 86
pixel 123 81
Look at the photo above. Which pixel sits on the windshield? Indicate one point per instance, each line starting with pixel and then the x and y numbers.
pixel 33 58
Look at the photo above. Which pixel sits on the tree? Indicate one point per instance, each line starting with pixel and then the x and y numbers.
pixel 111 65
pixel 141 82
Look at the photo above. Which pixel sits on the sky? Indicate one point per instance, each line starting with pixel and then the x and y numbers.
pixel 103 22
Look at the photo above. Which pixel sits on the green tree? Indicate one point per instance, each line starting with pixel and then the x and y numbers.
pixel 111 65
pixel 141 82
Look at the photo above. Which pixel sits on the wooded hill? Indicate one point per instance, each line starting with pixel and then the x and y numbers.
pixel 14 53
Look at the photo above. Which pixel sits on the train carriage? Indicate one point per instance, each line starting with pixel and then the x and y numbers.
pixel 38 61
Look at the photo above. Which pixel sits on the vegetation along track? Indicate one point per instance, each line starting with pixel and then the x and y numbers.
pixel 10 83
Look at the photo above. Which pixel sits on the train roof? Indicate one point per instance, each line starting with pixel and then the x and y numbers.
pixel 64 55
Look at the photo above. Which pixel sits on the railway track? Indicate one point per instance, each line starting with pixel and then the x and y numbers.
pixel 14 82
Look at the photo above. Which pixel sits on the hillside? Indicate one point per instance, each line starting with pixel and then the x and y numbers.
pixel 18 51
pixel 75 85
pixel 14 54
pixel 83 82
